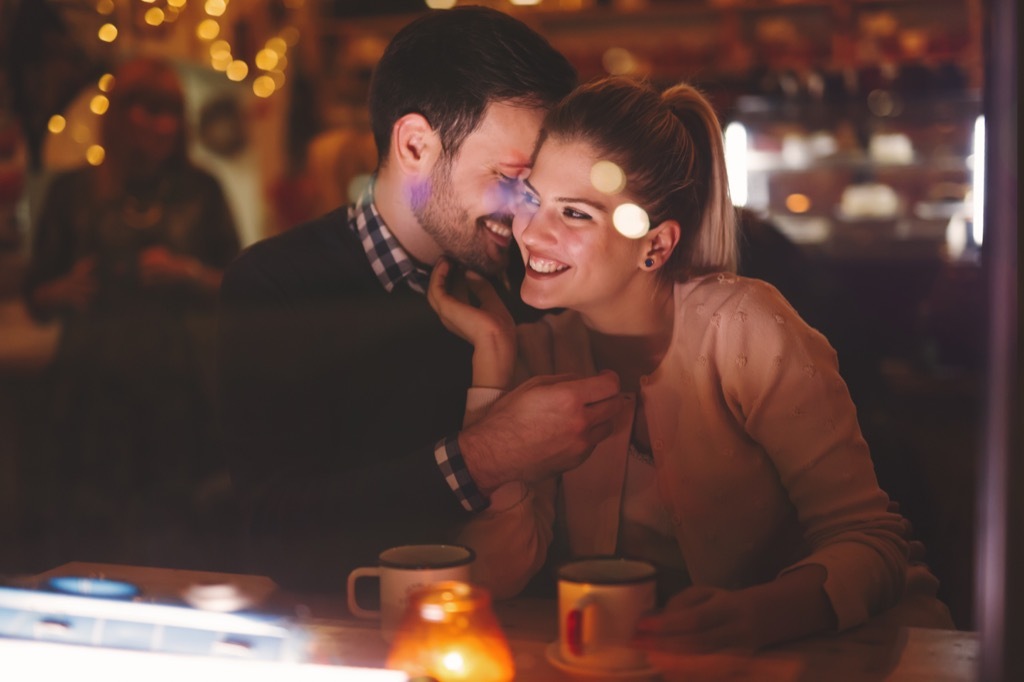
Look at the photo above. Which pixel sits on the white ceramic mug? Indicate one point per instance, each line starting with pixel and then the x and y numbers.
pixel 404 569
pixel 599 602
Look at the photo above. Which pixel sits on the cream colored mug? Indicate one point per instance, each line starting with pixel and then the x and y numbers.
pixel 600 601
pixel 402 570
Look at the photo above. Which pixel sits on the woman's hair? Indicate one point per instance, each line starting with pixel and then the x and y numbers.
pixel 449 65
pixel 154 83
pixel 670 147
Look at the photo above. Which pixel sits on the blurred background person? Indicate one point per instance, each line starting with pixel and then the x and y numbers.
pixel 129 256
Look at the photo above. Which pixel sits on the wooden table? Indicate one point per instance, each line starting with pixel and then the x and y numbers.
pixel 871 652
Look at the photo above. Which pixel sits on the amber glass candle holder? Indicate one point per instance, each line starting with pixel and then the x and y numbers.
pixel 449 633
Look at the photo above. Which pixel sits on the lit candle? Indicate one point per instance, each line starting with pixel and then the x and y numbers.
pixel 450 633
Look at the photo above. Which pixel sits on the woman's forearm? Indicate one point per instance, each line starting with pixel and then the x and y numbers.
pixel 793 605
pixel 494 361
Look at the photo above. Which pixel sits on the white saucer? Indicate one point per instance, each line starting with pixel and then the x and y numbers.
pixel 554 656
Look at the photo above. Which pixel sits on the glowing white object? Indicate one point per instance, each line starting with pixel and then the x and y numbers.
pixel 631 221
pixel 978 182
pixel 736 162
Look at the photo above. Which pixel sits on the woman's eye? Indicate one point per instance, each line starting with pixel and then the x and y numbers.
pixel 572 213
pixel 530 199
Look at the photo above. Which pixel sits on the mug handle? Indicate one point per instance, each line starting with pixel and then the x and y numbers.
pixel 574 626
pixel 354 608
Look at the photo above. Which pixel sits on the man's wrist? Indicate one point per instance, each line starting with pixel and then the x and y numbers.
pixel 449 458
pixel 477 456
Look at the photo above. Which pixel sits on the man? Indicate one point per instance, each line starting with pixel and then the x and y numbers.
pixel 343 393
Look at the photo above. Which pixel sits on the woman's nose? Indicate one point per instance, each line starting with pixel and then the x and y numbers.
pixel 536 229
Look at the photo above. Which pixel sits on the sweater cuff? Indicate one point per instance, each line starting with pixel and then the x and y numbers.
pixel 478 401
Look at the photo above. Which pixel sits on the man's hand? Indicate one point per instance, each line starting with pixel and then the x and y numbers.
pixel 547 425
pixel 75 290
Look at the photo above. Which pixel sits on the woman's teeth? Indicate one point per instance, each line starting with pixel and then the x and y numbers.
pixel 546 266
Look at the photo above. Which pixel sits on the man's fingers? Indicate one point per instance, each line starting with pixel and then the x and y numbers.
pixel 598 387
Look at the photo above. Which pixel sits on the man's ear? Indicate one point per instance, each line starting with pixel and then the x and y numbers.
pixel 415 145
pixel 660 242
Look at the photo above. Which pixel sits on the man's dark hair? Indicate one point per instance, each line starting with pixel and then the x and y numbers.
pixel 448 65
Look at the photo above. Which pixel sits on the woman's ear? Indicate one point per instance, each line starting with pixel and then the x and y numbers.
pixel 415 145
pixel 659 243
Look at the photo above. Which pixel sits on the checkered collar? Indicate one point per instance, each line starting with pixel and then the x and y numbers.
pixel 389 260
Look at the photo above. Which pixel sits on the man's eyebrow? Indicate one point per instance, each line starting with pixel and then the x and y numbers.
pixel 597 205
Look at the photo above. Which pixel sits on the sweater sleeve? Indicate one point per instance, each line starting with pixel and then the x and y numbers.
pixel 782 378
pixel 511 537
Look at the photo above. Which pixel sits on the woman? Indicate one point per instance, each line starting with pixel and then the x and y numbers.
pixel 128 255
pixel 739 467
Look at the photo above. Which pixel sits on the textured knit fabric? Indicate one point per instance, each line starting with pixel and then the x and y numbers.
pixel 759 457
pixel 336 393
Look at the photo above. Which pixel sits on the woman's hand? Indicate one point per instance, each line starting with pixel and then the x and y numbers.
pixel 702 619
pixel 484 322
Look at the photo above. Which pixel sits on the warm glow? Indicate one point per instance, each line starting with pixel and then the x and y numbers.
pixel 263 86
pixel 208 29
pixel 95 154
pixel 618 61
pixel 278 45
pixel 154 16
pixel 105 7
pixel 798 203
pixel 631 221
pixel 107 33
pixel 219 47
pixel 277 77
pixel 99 105
pixel 237 70
pixel 176 4
pixel 607 177
pixel 525 2
pixel 440 4
pixel 736 162
pixel 266 59
pixel 449 634
pixel 106 82
pixel 215 8
pixel 221 61
pixel 56 124
pixel 454 662
pixel 81 133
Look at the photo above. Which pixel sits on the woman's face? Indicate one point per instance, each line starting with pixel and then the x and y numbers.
pixel 574 255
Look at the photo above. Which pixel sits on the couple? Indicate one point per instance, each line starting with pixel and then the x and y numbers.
pixel 673 411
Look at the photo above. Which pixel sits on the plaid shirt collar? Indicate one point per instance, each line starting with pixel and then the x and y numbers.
pixel 389 260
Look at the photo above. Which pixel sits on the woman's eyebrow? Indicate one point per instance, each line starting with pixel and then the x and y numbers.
pixel 597 205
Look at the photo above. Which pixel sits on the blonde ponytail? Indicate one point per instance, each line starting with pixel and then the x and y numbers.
pixel 714 247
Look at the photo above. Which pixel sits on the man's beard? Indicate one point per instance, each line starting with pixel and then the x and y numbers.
pixel 442 217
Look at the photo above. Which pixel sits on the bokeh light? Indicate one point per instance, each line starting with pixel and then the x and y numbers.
pixel 215 8
pixel 107 33
pixel 263 86
pixel 105 7
pixel 607 177
pixel 56 124
pixel 95 154
pixel 208 29
pixel 631 221
pixel 99 105
pixel 106 82
pixel 266 59
pixel 798 203
pixel 237 70
pixel 440 4
pixel 154 16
